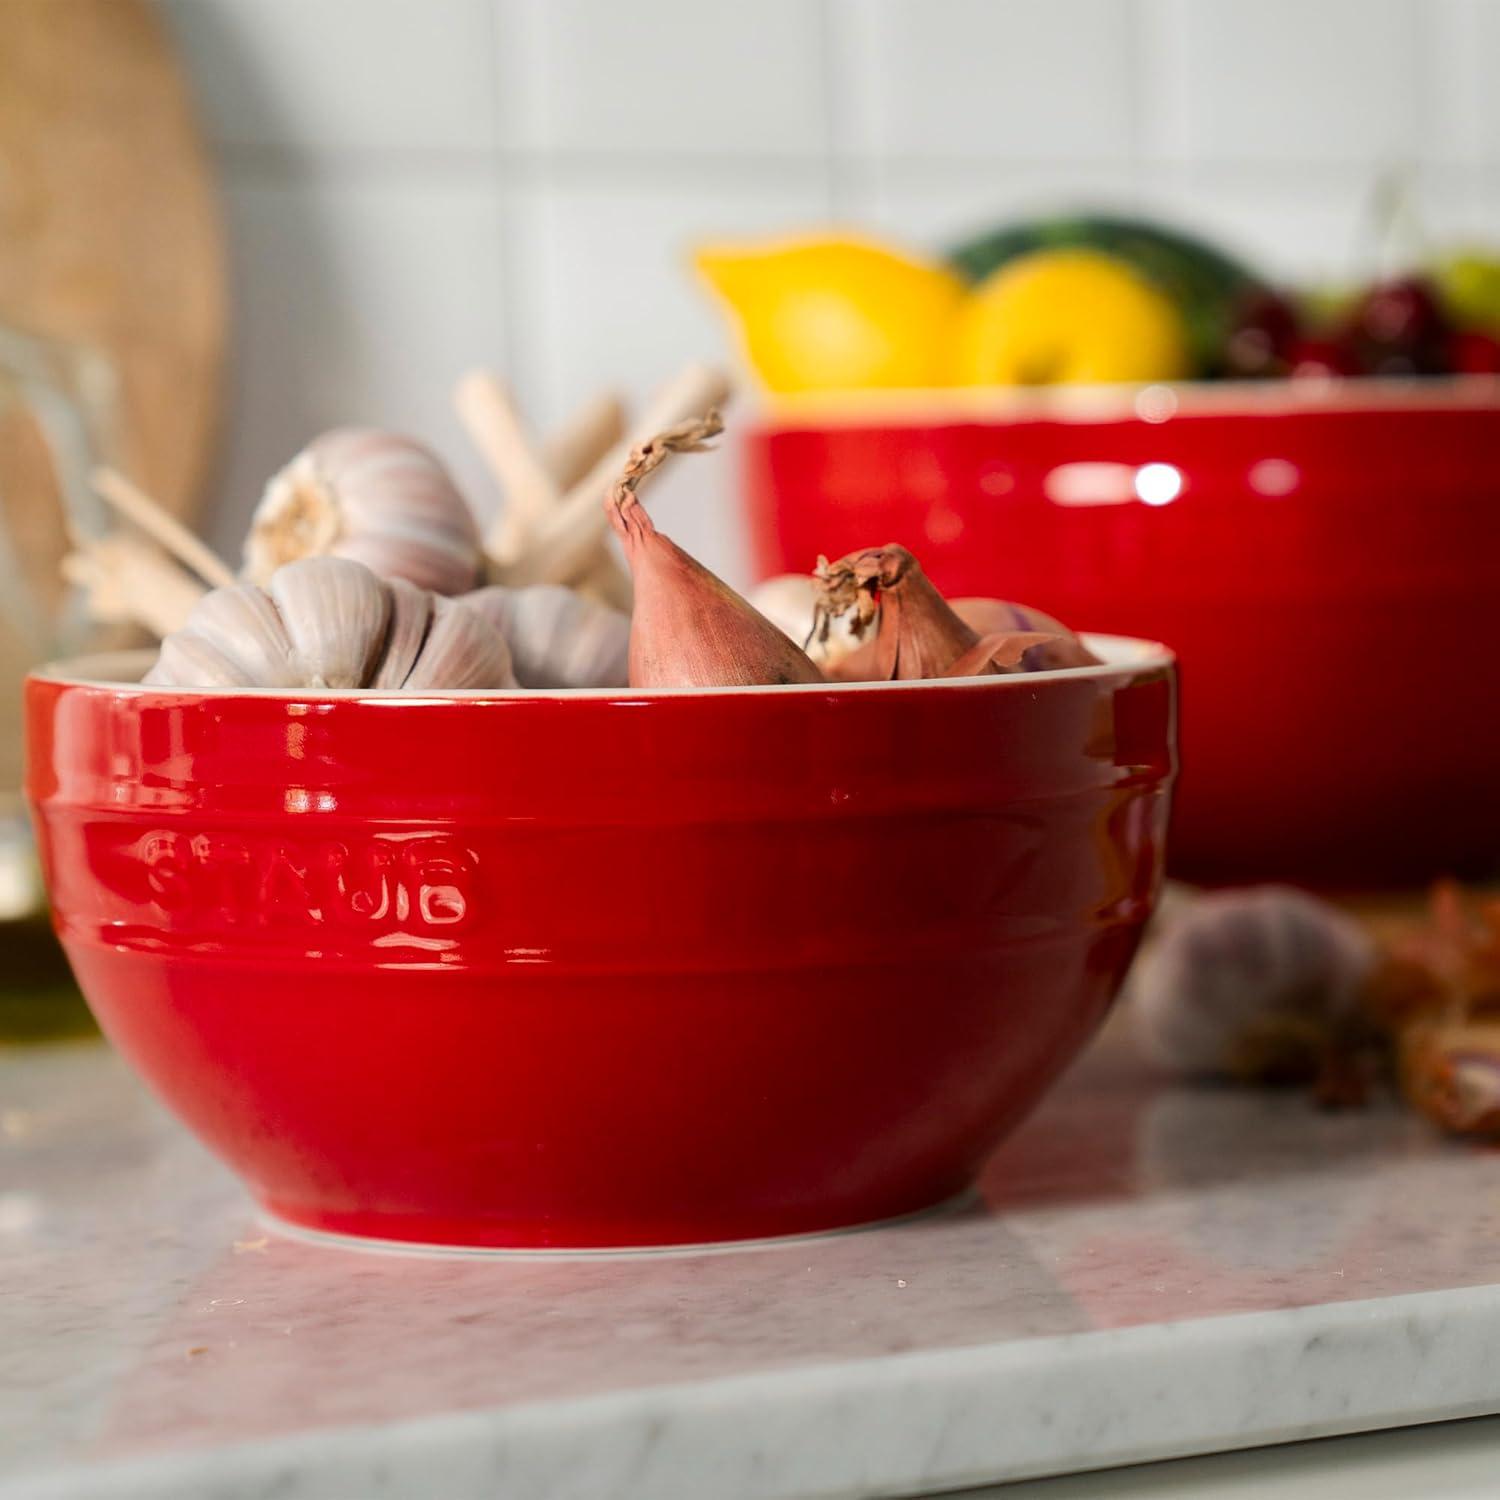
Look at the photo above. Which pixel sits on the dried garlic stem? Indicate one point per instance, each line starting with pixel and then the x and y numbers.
pixel 576 446
pixel 569 454
pixel 128 579
pixel 488 412
pixel 136 505
pixel 566 542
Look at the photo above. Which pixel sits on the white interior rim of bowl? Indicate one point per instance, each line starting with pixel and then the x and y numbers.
pixel 116 671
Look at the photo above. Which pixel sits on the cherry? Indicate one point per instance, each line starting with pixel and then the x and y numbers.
pixel 1262 335
pixel 1398 328
pixel 1321 359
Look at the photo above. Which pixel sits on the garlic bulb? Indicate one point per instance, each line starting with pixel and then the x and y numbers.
pixel 557 637
pixel 789 601
pixel 375 497
pixel 1251 984
pixel 329 622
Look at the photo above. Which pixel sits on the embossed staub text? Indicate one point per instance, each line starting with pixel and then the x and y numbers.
pixel 390 882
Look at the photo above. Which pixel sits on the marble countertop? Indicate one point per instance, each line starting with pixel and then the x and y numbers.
pixel 1147 1271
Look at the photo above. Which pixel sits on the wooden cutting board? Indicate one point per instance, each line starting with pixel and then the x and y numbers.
pixel 111 247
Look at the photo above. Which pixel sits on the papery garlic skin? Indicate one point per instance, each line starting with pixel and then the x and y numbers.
pixel 558 638
pixel 1246 984
pixel 374 497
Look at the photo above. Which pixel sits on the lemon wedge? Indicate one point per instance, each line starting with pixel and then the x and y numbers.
pixel 836 313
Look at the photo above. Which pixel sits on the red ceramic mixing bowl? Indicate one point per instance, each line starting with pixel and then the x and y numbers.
pixel 609 969
pixel 1326 566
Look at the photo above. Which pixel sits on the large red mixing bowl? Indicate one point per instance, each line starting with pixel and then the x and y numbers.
pixel 1326 565
pixel 606 969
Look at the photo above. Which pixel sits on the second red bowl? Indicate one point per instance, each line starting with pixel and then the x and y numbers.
pixel 1326 565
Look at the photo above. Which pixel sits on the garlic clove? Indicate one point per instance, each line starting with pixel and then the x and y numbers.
pixel 242 624
pixel 188 660
pixel 463 649
pixel 374 497
pixel 411 615
pixel 557 637
pixel 336 613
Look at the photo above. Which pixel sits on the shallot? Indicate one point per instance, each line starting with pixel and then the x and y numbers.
pixel 690 629
pixel 917 632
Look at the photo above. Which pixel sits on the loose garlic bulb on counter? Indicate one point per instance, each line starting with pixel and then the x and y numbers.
pixel 375 497
pixel 558 638
pixel 329 622
pixel 1250 984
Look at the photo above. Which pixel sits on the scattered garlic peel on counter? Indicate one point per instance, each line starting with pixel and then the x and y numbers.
pixel 1438 994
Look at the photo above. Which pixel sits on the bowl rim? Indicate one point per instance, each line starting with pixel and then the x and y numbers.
pixel 1123 655
pixel 1153 402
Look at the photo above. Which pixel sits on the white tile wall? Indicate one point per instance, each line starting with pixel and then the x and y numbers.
pixel 659 76
pixel 416 185
pixel 989 80
pixel 1299 82
pixel 326 75
pixel 359 296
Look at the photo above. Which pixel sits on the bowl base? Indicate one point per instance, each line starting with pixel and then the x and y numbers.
pixel 290 1226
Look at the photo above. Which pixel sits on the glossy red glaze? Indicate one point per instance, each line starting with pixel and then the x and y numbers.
pixel 1328 574
pixel 604 971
